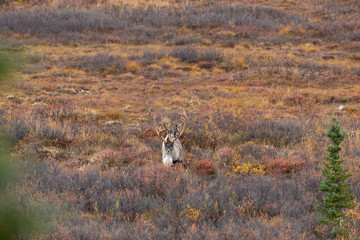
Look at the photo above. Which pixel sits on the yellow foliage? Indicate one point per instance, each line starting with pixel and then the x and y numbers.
pixel 290 31
pixel 354 212
pixel 115 114
pixel 285 30
pixel 247 168
pixel 179 101
pixel 302 31
pixel 239 48
pixel 267 58
pixel 133 67
pixel 148 215
pixel 217 70
pixel 238 89
pixel 194 68
pixel 154 66
pixel 280 105
pixel 193 214
pixel 206 42
pixel 174 59
pixel 258 169
pixel 229 33
pixel 312 50
pixel 243 168
pixel 165 60
pixel 357 89
pixel 238 63
pixel 96 208
pixel 170 61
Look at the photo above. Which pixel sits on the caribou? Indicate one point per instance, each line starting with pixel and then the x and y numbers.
pixel 172 150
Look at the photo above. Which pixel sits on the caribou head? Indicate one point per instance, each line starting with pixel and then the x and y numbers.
pixel 172 150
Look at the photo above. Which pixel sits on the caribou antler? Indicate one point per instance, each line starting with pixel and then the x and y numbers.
pixel 159 130
pixel 183 124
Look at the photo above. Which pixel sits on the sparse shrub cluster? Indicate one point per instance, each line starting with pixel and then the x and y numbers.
pixel 205 167
pixel 185 40
pixel 248 168
pixel 285 166
pixel 141 24
pixel 225 127
pixel 69 23
pixel 98 62
pixel 131 197
pixel 150 56
pixel 211 15
pixel 58 23
pixel 193 55
pixel 272 132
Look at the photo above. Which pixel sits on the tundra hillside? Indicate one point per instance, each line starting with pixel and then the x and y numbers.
pixel 260 83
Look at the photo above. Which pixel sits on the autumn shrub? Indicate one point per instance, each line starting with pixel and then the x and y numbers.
pixel 249 168
pixel 251 150
pixel 98 62
pixel 337 30
pixel 136 195
pixel 261 190
pixel 16 129
pixel 205 167
pixel 185 40
pixel 285 166
pixel 193 55
pixel 150 56
pixel 53 135
pixel 153 182
pixel 51 178
pixel 299 197
pixel 61 113
pixel 122 156
pixel 200 153
pixel 71 23
pixel 133 67
pixel 274 132
pixel 294 100
pixel 200 132
pixel 227 122
pixel 141 34
pixel 209 15
pixel 226 156
pixel 228 128
pixel 235 64
pixel 44 22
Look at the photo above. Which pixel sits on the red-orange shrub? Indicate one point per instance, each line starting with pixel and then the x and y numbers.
pixel 285 166
pixel 205 167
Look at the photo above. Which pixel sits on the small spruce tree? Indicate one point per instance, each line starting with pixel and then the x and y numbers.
pixel 338 196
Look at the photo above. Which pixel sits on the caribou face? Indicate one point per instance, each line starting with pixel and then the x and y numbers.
pixel 169 146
